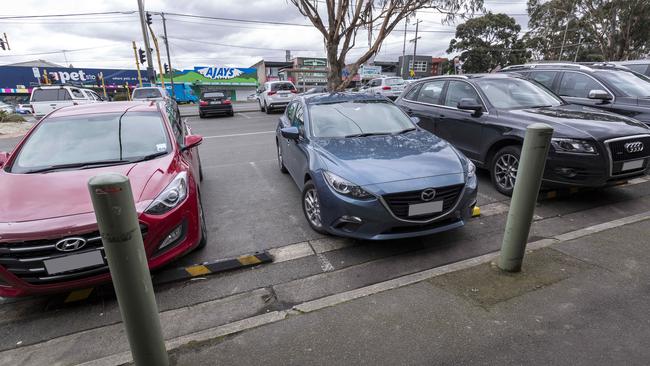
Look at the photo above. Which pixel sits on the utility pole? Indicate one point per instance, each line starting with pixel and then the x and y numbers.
pixel 169 59
pixel 137 64
pixel 415 43
pixel 406 22
pixel 143 23
pixel 155 43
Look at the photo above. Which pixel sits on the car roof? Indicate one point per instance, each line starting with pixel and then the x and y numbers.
pixel 105 108
pixel 324 98
pixel 582 66
pixel 469 77
pixel 632 62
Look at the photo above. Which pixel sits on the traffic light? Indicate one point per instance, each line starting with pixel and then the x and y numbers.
pixel 142 56
pixel 148 18
pixel 167 69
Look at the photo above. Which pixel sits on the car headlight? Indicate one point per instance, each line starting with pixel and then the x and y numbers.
pixel 471 169
pixel 170 197
pixel 573 146
pixel 345 187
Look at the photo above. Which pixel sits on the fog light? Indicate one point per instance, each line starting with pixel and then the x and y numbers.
pixel 352 219
pixel 567 172
pixel 172 237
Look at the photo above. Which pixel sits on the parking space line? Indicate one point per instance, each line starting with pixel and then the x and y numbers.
pixel 291 252
pixel 243 115
pixel 237 134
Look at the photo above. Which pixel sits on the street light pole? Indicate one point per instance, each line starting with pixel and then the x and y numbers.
pixel 415 45
pixel 169 59
pixel 404 46
pixel 145 35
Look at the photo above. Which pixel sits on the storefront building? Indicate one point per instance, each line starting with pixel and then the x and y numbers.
pixel 236 82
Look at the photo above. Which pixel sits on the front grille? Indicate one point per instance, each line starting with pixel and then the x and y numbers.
pixel 399 202
pixel 25 259
pixel 619 153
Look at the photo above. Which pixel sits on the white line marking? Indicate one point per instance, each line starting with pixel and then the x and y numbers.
pixel 237 134
pixel 244 115
pixel 325 265
pixel 291 252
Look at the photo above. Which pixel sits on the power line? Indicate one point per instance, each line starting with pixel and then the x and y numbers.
pixel 238 46
pixel 66 15
pixel 238 20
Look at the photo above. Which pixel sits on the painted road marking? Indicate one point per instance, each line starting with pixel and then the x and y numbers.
pixel 237 134
pixel 291 252
pixel 325 264
pixel 244 115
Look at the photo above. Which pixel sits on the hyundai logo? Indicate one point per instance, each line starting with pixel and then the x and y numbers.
pixel 70 244
pixel 634 147
pixel 428 194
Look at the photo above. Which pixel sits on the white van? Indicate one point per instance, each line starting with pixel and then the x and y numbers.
pixel 48 98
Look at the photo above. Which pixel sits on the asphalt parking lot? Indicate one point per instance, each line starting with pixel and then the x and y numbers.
pixel 251 206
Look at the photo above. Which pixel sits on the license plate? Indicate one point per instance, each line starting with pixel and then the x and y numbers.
pixel 631 165
pixel 284 95
pixel 425 208
pixel 216 102
pixel 73 262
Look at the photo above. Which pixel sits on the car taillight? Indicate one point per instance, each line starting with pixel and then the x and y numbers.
pixel 227 101
pixel 203 102
pixel 272 92
pixel 385 88
pixel 294 91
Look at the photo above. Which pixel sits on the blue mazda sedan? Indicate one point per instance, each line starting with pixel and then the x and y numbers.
pixel 367 171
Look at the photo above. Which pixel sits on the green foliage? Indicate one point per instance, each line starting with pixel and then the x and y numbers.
pixel 595 30
pixel 121 96
pixel 487 42
pixel 10 117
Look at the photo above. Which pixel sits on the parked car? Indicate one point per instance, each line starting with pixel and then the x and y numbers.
pixel 367 171
pixel 603 86
pixel 315 90
pixel 148 93
pixel 640 66
pixel 485 117
pixel 45 99
pixel 45 205
pixel 214 102
pixel 24 109
pixel 7 108
pixel 389 87
pixel 276 94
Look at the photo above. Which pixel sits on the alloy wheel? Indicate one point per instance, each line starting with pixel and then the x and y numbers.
pixel 505 171
pixel 312 207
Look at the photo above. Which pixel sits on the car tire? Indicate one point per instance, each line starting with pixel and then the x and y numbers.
pixel 204 231
pixel 503 169
pixel 231 113
pixel 283 169
pixel 201 115
pixel 311 207
pixel 261 107
pixel 267 109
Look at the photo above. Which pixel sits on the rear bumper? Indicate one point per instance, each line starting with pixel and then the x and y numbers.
pixel 216 109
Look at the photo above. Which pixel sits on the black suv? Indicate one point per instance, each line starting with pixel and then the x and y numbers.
pixel 604 86
pixel 485 116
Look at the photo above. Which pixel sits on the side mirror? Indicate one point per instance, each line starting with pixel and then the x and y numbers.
pixel 192 141
pixel 291 133
pixel 415 120
pixel 470 104
pixel 600 95
pixel 4 156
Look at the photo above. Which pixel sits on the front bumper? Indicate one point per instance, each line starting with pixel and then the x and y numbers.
pixel 13 283
pixel 374 220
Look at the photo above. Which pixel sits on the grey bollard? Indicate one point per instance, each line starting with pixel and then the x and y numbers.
pixel 522 206
pixel 120 231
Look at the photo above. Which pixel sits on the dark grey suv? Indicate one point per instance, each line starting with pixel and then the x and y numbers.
pixel 604 86
pixel 485 116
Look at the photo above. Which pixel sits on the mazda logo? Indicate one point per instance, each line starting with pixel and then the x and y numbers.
pixel 70 244
pixel 634 147
pixel 428 194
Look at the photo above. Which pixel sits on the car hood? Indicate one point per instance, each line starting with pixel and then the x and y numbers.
pixel 580 121
pixel 29 197
pixel 381 159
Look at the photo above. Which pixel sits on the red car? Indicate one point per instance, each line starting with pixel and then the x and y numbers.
pixel 49 241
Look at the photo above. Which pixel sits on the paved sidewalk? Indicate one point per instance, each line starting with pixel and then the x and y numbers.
pixel 577 302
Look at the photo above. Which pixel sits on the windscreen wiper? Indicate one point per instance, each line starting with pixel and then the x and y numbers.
pixel 405 131
pixel 84 165
pixel 150 156
pixel 368 134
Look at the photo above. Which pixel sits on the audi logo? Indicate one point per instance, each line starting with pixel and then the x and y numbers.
pixel 428 194
pixel 70 244
pixel 634 147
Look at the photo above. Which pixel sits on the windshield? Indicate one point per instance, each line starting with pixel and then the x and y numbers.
pixel 350 119
pixel 629 83
pixel 282 86
pixel 146 93
pixel 213 95
pixel 394 81
pixel 513 93
pixel 92 138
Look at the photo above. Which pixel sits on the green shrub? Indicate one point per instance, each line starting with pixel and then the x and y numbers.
pixel 10 117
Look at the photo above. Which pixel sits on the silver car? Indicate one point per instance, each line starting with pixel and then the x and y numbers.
pixel 390 87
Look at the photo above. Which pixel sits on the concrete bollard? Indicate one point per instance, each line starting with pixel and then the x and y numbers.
pixel 522 206
pixel 120 231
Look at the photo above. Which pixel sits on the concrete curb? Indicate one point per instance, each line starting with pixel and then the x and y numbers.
pixel 336 299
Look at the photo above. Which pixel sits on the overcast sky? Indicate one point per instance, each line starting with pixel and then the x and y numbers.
pixel 105 41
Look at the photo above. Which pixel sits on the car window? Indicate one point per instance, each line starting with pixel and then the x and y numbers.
pixel 543 77
pixel 577 85
pixel 516 93
pixel 77 94
pixel 298 119
pixel 213 95
pixel 282 86
pixel 640 68
pixel 394 81
pixel 355 118
pixel 90 138
pixel 627 82
pixel 176 123
pixel 46 95
pixel 291 111
pixel 412 94
pixel 431 91
pixel 458 90
pixel 96 96
pixel 146 93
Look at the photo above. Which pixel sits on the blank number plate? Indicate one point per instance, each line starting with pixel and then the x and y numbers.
pixel 425 208
pixel 216 102
pixel 631 165
pixel 73 262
